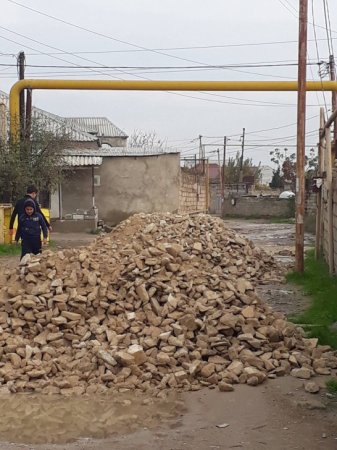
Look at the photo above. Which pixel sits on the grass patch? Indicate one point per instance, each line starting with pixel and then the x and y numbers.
pixel 9 250
pixel 15 249
pixel 317 283
pixel 331 386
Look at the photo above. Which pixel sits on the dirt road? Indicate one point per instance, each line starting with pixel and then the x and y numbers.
pixel 277 415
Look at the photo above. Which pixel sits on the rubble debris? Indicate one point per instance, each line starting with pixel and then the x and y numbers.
pixel 163 302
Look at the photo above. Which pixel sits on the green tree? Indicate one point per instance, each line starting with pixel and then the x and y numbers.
pixel 276 181
pixel 232 169
pixel 286 165
pixel 38 160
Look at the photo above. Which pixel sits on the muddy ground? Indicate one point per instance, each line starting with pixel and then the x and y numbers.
pixel 277 415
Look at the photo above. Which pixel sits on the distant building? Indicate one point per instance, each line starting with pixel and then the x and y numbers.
pixel 100 127
pixel 266 175
pixel 213 171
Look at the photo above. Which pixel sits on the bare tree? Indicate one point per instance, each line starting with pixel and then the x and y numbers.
pixel 146 140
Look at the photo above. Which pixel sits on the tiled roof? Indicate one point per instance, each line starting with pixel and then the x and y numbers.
pixel 100 126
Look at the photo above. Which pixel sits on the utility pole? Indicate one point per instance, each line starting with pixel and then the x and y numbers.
pixel 332 69
pixel 242 152
pixel 220 177
pixel 224 165
pixel 223 177
pixel 200 146
pixel 301 108
pixel 21 73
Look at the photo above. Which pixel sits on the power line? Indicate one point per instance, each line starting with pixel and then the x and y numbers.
pixel 104 73
pixel 201 47
pixel 317 51
pixel 211 66
pixel 327 27
pixel 140 47
pixel 293 14
pixel 55 57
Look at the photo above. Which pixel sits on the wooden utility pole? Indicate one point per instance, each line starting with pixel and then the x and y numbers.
pixel 301 108
pixel 329 199
pixel 21 73
pixel 200 147
pixel 220 177
pixel 223 177
pixel 318 243
pixel 224 163
pixel 333 102
pixel 242 152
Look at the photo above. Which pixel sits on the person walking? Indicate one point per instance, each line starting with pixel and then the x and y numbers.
pixel 19 208
pixel 30 225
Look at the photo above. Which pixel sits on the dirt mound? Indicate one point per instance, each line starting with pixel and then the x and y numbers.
pixel 164 301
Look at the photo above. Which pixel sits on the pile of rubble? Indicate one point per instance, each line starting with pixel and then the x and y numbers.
pixel 164 301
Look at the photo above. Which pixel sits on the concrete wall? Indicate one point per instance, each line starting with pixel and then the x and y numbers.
pixel 114 141
pixel 128 185
pixel 77 191
pixel 193 193
pixel 131 185
pixel 259 207
pixel 325 229
pixel 215 198
pixel 137 184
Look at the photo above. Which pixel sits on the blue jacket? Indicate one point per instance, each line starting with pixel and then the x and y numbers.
pixel 30 226
pixel 19 210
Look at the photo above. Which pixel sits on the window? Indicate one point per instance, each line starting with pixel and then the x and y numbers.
pixel 97 180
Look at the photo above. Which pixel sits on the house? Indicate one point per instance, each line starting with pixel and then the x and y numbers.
pixel 117 182
pixel 105 179
pixel 102 128
pixel 266 175
pixel 213 172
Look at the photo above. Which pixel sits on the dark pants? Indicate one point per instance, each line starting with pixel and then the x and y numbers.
pixel 31 245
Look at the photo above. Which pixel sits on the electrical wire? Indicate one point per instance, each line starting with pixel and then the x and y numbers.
pixel 104 73
pixel 327 27
pixel 42 53
pixel 206 66
pixel 317 52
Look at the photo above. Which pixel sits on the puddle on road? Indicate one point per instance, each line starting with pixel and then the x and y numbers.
pixel 38 419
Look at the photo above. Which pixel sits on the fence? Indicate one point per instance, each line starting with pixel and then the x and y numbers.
pixel 326 219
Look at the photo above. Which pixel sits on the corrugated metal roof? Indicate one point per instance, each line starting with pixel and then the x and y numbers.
pixel 56 124
pixel 80 160
pixel 100 126
pixel 107 150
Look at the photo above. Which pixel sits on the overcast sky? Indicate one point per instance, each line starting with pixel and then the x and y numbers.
pixel 183 33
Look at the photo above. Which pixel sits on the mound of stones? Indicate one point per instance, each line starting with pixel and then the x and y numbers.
pixel 164 301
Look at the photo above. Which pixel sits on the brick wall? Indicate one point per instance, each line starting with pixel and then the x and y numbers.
pixel 192 196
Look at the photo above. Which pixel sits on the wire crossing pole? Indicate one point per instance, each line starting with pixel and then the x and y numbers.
pixel 21 74
pixel 223 177
pixel 242 152
pixel 301 106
